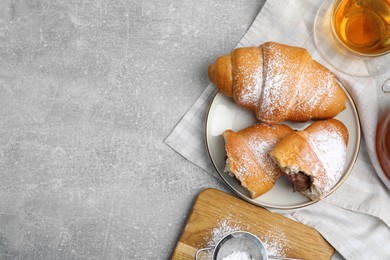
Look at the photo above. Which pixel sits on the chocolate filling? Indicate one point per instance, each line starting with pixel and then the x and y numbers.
pixel 300 181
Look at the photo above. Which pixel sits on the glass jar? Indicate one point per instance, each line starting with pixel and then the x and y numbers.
pixel 383 143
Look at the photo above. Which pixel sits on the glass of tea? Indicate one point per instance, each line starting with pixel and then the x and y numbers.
pixel 353 36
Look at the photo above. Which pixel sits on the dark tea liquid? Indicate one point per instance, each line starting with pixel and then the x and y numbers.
pixel 363 26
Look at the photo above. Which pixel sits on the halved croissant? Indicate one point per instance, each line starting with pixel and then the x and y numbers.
pixel 313 158
pixel 278 82
pixel 247 156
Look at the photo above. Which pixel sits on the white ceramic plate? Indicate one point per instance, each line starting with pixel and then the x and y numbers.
pixel 224 114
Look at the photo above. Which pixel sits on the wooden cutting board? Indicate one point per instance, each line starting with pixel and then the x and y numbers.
pixel 215 212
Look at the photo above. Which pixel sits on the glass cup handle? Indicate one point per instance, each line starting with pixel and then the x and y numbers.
pixel 386 86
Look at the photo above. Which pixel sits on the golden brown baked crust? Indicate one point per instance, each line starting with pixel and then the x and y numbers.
pixel 248 160
pixel 319 152
pixel 278 82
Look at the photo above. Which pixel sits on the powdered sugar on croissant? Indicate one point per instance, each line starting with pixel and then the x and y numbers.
pixel 278 82
pixel 247 156
pixel 314 158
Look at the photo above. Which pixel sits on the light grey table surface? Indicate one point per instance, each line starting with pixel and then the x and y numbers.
pixel 88 92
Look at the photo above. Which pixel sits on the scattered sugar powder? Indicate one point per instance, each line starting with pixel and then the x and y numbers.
pixel 238 255
pixel 275 242
pixel 223 228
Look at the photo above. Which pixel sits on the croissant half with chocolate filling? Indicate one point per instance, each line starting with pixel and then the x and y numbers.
pixel 313 159
pixel 247 156
pixel 278 82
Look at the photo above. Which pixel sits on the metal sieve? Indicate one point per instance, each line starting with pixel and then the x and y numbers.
pixel 239 241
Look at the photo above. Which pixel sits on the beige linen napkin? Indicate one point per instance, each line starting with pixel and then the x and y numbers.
pixel 356 218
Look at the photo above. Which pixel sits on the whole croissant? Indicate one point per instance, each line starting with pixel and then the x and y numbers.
pixel 278 82
pixel 313 158
pixel 248 159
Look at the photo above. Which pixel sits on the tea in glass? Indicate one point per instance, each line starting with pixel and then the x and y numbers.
pixel 363 26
